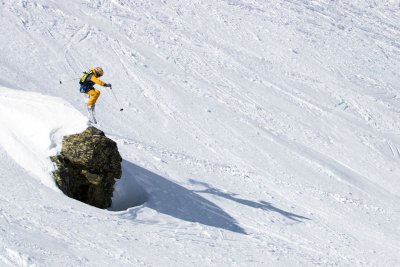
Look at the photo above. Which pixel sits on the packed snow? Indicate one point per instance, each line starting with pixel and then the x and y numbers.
pixel 253 133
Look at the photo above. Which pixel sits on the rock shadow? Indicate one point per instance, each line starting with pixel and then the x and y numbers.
pixel 258 205
pixel 128 192
pixel 168 198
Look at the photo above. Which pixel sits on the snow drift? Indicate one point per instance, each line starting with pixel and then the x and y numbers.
pixel 32 127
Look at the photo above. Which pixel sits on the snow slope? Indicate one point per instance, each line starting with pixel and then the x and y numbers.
pixel 258 133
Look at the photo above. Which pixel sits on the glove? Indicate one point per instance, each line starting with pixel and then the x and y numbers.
pixel 108 85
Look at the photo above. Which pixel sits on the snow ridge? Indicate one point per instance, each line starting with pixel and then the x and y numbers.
pixel 32 130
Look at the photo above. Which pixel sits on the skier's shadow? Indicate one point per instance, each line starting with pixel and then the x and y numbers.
pixel 258 205
pixel 169 198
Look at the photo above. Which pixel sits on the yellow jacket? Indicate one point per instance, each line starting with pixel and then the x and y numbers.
pixel 96 80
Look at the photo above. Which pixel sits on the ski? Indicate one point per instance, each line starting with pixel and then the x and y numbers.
pixel 92 114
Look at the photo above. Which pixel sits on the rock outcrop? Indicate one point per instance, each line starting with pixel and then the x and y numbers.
pixel 87 167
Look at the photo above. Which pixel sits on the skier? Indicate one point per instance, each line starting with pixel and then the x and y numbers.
pixel 87 81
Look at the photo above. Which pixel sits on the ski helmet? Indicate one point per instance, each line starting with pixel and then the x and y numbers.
pixel 99 71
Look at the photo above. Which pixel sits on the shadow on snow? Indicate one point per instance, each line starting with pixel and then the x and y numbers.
pixel 258 205
pixel 138 186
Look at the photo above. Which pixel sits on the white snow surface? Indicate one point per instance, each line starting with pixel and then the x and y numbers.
pixel 254 133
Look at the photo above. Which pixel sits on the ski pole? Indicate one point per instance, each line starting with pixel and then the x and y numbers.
pixel 116 99
pixel 69 80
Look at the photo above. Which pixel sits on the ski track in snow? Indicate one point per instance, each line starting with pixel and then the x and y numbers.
pixel 260 133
